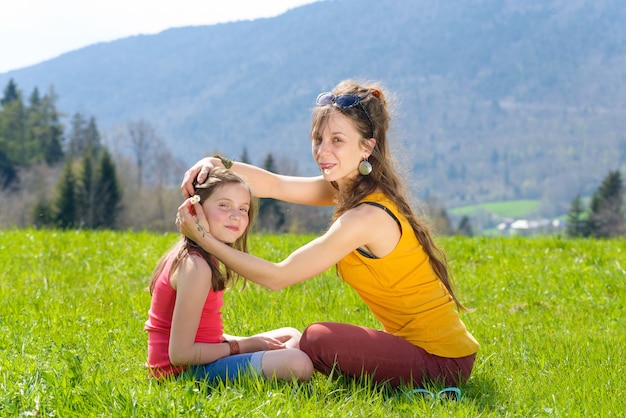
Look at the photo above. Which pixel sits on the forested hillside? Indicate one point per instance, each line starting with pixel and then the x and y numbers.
pixel 495 99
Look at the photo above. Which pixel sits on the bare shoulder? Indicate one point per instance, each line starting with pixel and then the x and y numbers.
pixel 192 270
pixel 375 230
pixel 367 213
pixel 367 218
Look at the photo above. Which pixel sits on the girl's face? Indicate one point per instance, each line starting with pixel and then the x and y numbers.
pixel 227 211
pixel 339 151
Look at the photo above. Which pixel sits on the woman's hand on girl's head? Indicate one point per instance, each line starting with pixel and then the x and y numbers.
pixel 199 173
pixel 191 220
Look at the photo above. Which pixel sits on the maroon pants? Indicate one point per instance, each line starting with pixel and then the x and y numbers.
pixel 354 351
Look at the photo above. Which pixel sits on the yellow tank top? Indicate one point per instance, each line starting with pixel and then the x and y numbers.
pixel 406 296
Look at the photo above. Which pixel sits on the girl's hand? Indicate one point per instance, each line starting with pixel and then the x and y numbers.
pixel 198 172
pixel 262 343
pixel 191 221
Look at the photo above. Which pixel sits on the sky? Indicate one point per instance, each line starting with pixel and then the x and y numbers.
pixel 32 31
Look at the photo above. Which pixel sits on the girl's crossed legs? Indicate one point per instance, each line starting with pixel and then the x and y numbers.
pixel 284 364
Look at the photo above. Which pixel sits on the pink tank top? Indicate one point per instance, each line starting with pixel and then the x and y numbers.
pixel 159 324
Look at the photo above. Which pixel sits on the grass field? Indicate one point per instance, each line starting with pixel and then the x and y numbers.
pixel 549 313
pixel 514 209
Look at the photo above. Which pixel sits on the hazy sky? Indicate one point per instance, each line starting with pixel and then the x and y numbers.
pixel 32 31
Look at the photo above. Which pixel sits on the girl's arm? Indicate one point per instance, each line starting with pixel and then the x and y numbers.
pixel 192 281
pixel 362 226
pixel 314 191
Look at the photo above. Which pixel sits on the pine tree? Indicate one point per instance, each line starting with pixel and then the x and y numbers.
pixel 43 214
pixel 76 139
pixel 577 225
pixel 66 205
pixel 34 128
pixel 11 93
pixel 92 140
pixel 465 227
pixel 44 130
pixel 51 139
pixel 108 192
pixel 606 218
pixel 86 195
pixel 441 221
pixel 244 156
pixel 13 126
pixel 271 216
pixel 8 174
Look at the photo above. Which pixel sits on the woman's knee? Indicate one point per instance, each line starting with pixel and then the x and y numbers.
pixel 314 335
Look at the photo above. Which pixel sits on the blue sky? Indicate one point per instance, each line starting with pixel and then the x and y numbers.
pixel 32 31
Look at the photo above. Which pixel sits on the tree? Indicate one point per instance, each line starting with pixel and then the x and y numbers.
pixel 93 142
pixel 66 205
pixel 108 192
pixel 465 227
pixel 44 130
pixel 165 170
pixel 271 216
pixel 577 225
pixel 441 221
pixel 76 138
pixel 142 139
pixel 606 218
pixel 244 156
pixel 11 93
pixel 438 217
pixel 34 125
pixel 86 194
pixel 13 128
pixel 30 134
pixel 84 137
pixel 7 171
pixel 43 214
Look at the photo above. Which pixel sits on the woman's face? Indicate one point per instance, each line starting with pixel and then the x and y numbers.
pixel 339 151
pixel 227 211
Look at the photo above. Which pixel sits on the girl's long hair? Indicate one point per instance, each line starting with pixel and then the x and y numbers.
pixel 383 175
pixel 218 177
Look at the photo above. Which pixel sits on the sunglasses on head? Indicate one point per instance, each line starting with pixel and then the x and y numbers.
pixel 344 101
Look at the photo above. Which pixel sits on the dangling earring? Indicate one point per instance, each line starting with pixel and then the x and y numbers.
pixel 365 168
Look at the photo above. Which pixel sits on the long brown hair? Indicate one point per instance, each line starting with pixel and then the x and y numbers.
pixel 383 175
pixel 217 178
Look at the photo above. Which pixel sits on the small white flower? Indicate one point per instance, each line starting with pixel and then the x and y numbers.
pixel 195 199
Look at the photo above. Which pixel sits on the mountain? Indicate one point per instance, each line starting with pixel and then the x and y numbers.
pixel 495 99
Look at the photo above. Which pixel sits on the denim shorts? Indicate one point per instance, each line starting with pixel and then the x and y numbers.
pixel 227 368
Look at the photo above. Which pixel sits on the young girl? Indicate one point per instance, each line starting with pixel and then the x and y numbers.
pixel 185 332
pixel 381 249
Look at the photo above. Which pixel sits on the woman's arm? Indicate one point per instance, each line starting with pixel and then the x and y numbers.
pixel 314 191
pixel 192 281
pixel 352 230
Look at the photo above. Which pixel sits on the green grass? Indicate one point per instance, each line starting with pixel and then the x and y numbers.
pixel 509 209
pixel 549 314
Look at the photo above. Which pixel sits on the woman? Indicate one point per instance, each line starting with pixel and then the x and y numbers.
pixel 185 331
pixel 378 243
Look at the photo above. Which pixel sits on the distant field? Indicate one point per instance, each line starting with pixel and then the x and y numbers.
pixel 549 315
pixel 512 209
